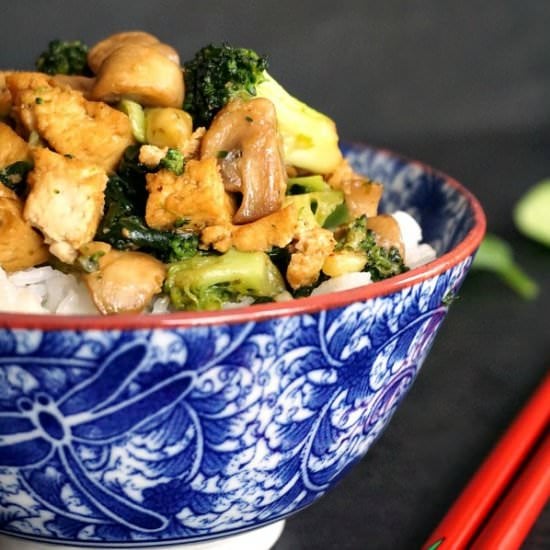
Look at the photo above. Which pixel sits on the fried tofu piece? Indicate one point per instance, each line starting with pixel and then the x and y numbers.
pixel 65 201
pixel 312 247
pixel 361 195
pixel 194 200
pixel 13 148
pixel 18 82
pixel 125 281
pixel 277 229
pixel 88 130
pixel 21 246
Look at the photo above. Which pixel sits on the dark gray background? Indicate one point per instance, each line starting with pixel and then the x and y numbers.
pixel 464 86
pixel 385 70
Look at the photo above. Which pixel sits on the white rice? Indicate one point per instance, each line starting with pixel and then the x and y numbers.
pixel 46 290
pixel 416 253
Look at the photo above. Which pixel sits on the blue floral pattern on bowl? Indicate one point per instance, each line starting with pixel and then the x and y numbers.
pixel 184 434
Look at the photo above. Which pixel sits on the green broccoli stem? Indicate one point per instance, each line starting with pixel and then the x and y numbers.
pixel 310 139
pixel 207 282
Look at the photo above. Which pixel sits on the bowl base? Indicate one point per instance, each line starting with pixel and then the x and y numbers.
pixel 262 538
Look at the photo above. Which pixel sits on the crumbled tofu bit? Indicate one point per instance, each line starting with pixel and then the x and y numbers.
pixel 276 229
pixel 151 155
pixel 65 201
pixel 89 130
pixel 21 246
pixel 125 281
pixel 14 148
pixel 361 195
pixel 194 200
pixel 191 148
pixel 312 247
pixel 219 237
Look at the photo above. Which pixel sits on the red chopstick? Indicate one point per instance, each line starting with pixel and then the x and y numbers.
pixel 465 517
pixel 517 512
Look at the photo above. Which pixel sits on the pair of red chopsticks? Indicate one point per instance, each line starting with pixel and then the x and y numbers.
pixel 503 500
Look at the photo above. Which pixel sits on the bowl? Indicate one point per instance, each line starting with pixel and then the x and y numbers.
pixel 206 430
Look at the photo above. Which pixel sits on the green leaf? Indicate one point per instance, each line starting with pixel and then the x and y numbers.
pixel 496 255
pixel 532 213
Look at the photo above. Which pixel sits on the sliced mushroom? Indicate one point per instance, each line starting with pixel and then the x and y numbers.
pixel 142 74
pixel 245 140
pixel 388 233
pixel 125 281
pixel 79 83
pixel 361 195
pixel 102 50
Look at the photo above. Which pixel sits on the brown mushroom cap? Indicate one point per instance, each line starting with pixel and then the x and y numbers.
pixel 126 281
pixel 79 83
pixel 244 137
pixel 102 50
pixel 140 73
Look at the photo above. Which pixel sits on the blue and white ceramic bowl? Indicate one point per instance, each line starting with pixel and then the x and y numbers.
pixel 139 431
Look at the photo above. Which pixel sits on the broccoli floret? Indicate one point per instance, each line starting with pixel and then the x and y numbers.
pixel 123 225
pixel 381 262
pixel 219 73
pixel 306 184
pixel 207 282
pixel 64 57
pixel 173 161
pixel 14 176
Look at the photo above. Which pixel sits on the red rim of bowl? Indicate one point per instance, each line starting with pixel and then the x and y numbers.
pixel 262 312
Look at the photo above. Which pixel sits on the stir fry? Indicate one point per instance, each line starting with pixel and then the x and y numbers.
pixel 202 182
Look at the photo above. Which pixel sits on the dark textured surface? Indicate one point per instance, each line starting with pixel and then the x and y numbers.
pixel 466 91
pixel 383 70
